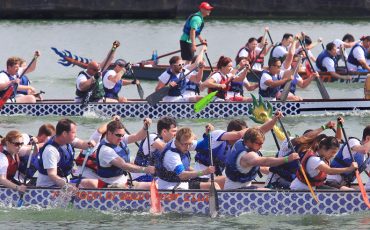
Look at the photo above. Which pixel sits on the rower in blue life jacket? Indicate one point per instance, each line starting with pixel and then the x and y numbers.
pixel 359 57
pixel 280 177
pixel 360 151
pixel 192 29
pixel 166 131
pixel 56 158
pixel 113 159
pixel 327 60
pixel 245 160
pixel 175 77
pixel 173 167
pixel 113 82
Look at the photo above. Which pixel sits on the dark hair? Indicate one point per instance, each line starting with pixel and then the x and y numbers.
pixel 315 143
pixel 363 38
pixel 165 123
pixel 330 46
pixel 174 59
pixel 366 132
pixel 46 129
pixel 114 125
pixel 259 40
pixel 223 61
pixel 273 60
pixel 64 125
pixel 252 39
pixel 12 61
pixel 348 37
pixel 236 125
pixel 328 143
pixel 287 35
pixel 307 40
pixel 253 134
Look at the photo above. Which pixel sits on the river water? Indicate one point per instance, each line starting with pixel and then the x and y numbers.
pixel 93 39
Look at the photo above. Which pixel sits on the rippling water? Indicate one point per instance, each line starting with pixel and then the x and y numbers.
pixel 93 39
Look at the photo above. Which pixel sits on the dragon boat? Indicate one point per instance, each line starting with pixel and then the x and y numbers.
pixel 141 108
pixel 231 202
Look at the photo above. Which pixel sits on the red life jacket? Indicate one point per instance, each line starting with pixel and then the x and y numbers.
pixel 221 92
pixel 90 163
pixel 13 165
pixel 315 181
pixel 252 55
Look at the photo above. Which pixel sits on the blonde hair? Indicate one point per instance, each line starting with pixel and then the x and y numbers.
pixel 184 133
pixel 253 134
pixel 10 136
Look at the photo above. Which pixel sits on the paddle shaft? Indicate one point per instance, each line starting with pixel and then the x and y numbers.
pixel 20 201
pixel 170 53
pixel 209 62
pixel 299 163
pixel 286 89
pixel 87 154
pixel 268 33
pixel 213 197
pixel 29 66
pixel 344 58
pixel 138 86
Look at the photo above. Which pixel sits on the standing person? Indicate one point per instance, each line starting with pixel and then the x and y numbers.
pixel 193 27
pixel 113 82
pixel 9 160
pixel 10 76
pixel 86 81
pixel 56 157
pixel 316 165
pixel 359 55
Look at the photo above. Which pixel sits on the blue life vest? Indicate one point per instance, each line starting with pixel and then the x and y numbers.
pixel 219 154
pixel 187 26
pixel 2 92
pixel 270 91
pixel 113 171
pixel 113 92
pixel 237 87
pixel 192 86
pixel 293 85
pixel 79 93
pixel 320 58
pixel 177 90
pixel 170 176
pixel 232 171
pixel 340 162
pixel 144 160
pixel 351 59
pixel 287 170
pixel 26 82
pixel 65 163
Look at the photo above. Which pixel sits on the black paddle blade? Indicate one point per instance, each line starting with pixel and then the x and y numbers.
pixel 213 201
pixel 140 91
pixel 324 93
pixel 157 96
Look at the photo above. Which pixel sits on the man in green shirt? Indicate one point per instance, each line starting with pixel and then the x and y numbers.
pixel 192 29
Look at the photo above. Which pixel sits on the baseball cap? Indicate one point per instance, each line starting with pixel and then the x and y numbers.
pixel 206 6
pixel 120 62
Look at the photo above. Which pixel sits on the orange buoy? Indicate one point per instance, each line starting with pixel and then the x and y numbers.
pixel 367 87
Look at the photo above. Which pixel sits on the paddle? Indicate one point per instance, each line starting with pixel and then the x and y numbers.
pixel 86 100
pixel 288 84
pixel 138 86
pixel 209 62
pixel 299 163
pixel 29 65
pixel 168 54
pixel 87 154
pixel 324 93
pixel 213 196
pixel 21 201
pixel 268 33
pixel 157 96
pixel 344 58
pixel 358 177
pixel 8 93
pixel 155 200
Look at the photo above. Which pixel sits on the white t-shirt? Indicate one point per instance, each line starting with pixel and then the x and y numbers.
pixel 81 78
pixel 229 184
pixel 311 169
pixel 245 53
pixel 279 51
pixel 106 156
pixel 352 142
pixel 50 159
pixel 108 83
pixel 3 164
pixel 328 63
pixel 172 160
pixel 339 43
pixel 358 54
pixel 265 77
pixel 4 78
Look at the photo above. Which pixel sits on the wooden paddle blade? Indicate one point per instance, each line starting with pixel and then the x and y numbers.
pixel 285 92
pixel 140 91
pixel 202 103
pixel 362 189
pixel 213 201
pixel 8 93
pixel 157 96
pixel 155 200
pixel 324 93
pixel 308 183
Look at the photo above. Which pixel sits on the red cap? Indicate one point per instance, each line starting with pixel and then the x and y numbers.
pixel 206 6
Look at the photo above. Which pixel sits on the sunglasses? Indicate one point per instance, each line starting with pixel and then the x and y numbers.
pixel 278 66
pixel 119 135
pixel 180 65
pixel 17 144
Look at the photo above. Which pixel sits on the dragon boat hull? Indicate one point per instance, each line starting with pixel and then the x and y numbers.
pixel 141 109
pixel 232 203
